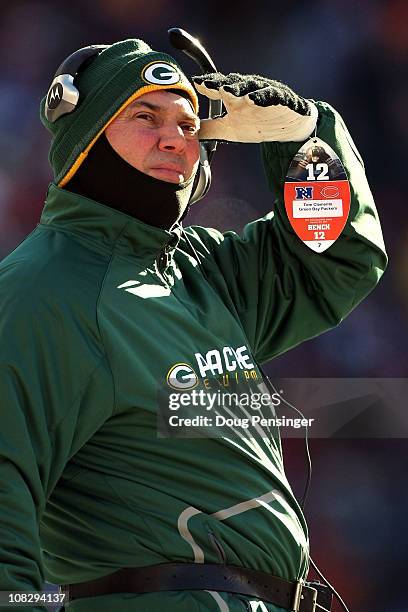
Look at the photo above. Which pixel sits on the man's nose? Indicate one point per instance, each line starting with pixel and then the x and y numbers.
pixel 172 138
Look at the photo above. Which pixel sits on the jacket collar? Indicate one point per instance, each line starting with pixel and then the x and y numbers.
pixel 106 227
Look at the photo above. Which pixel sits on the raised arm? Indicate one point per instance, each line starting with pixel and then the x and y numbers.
pixel 283 292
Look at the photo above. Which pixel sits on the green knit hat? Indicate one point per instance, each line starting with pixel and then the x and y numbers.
pixel 120 74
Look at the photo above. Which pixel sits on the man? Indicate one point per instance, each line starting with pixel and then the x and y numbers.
pixel 109 296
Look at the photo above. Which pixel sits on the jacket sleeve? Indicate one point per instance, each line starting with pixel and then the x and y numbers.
pixel 283 292
pixel 49 407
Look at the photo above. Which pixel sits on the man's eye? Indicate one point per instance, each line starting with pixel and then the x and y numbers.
pixel 191 129
pixel 144 116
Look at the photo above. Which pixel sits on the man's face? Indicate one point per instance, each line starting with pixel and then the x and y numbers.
pixel 158 135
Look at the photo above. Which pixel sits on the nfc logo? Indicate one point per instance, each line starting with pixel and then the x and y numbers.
pixel 304 193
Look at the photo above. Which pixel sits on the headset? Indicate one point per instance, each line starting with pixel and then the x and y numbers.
pixel 62 98
pixel 63 95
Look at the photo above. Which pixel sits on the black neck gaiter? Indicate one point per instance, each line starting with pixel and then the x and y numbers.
pixel 106 177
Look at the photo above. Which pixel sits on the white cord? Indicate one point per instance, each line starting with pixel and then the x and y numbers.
pixel 321 607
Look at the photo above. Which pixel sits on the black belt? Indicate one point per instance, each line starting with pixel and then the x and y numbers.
pixel 294 596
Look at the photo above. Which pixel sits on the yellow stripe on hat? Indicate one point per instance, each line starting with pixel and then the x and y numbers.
pixel 140 92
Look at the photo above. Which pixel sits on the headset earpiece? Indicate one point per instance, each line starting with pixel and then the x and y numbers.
pixel 202 180
pixel 62 97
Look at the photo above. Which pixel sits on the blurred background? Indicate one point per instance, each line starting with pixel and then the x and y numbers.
pixel 351 53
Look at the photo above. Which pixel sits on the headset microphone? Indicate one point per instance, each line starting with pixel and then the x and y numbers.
pixel 180 39
pixel 183 41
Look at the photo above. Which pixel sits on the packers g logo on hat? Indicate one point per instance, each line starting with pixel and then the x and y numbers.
pixel 160 73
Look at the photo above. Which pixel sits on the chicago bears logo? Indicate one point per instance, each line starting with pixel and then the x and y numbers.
pixel 330 191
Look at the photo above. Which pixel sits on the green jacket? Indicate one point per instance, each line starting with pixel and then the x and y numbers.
pixel 95 309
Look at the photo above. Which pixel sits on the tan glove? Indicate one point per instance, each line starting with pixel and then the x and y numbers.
pixel 258 109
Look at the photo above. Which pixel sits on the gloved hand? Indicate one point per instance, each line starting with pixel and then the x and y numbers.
pixel 258 109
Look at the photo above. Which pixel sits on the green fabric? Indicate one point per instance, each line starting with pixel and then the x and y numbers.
pixel 86 486
pixel 104 85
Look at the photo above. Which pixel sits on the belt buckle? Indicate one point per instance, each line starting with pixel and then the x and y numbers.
pixel 298 596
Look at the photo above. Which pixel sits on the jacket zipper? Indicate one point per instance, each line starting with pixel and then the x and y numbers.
pixel 162 263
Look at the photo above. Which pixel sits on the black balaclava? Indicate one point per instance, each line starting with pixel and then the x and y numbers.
pixel 106 177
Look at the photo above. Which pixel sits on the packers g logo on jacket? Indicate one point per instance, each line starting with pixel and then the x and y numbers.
pixel 160 73
pixel 182 376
